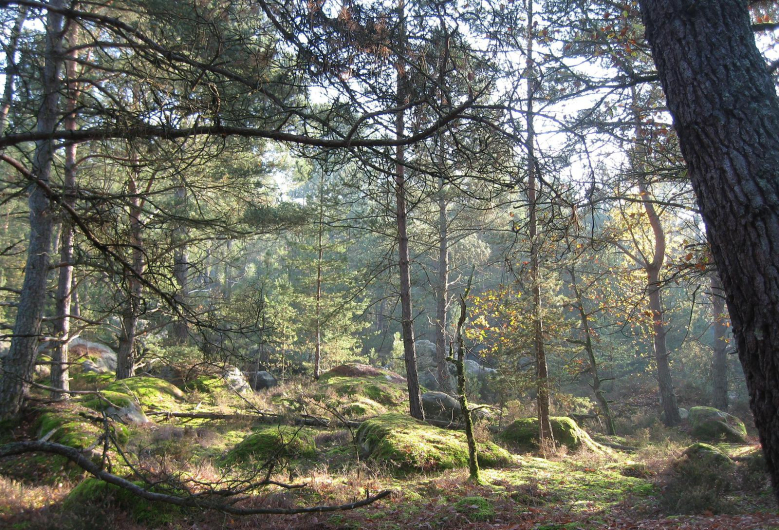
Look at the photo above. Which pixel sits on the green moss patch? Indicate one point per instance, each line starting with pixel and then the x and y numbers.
pixel 75 429
pixel 207 384
pixel 476 508
pixel 90 381
pixel 711 425
pixel 95 491
pixel 280 442
pixel 410 445
pixel 523 434
pixel 115 399
pixel 151 392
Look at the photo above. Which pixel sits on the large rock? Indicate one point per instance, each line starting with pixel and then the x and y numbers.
pixel 262 380
pixel 97 357
pixel 235 380
pixel 363 370
pixel 523 434
pixel 709 424
pixel 441 407
pixel 425 355
pixel 406 445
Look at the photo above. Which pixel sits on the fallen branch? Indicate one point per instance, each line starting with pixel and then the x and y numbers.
pixel 75 456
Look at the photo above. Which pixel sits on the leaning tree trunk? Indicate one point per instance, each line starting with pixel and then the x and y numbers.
pixel 719 364
pixel 407 316
pixel 726 114
pixel 19 363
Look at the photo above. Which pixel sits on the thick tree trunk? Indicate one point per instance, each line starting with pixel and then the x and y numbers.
pixel 719 364
pixel 542 370
pixel 726 114
pixel 407 315
pixel 19 362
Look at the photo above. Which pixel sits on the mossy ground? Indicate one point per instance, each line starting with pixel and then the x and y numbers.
pixel 587 489
pixel 151 392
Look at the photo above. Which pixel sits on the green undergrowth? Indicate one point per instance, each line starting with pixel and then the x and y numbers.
pixel 109 399
pixel 408 445
pixel 90 380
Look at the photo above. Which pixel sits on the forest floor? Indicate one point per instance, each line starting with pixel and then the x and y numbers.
pixel 645 488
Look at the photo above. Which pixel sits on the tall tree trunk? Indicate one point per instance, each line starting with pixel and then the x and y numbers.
pixel 719 365
pixel 404 261
pixel 653 267
pixel 59 369
pixel 726 114
pixel 542 369
pixel 442 292
pixel 19 363
pixel 318 294
pixel 125 364
pixel 180 330
pixel 11 69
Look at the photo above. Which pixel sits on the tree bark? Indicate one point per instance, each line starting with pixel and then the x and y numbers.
pixel 726 114
pixel 11 69
pixel 719 364
pixel 19 363
pixel 407 315
pixel 318 287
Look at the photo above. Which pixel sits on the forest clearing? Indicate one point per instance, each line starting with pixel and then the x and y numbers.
pixel 389 264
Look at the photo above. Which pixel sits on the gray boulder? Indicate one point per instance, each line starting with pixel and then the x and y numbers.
pixel 102 358
pixel 236 380
pixel 262 380
pixel 441 407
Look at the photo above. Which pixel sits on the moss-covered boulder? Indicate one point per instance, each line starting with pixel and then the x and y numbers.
pixel 278 442
pixel 523 434
pixel 144 512
pixel 75 428
pixel 151 392
pixel 711 425
pixel 707 454
pixel 116 405
pixel 410 445
pixel 441 406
